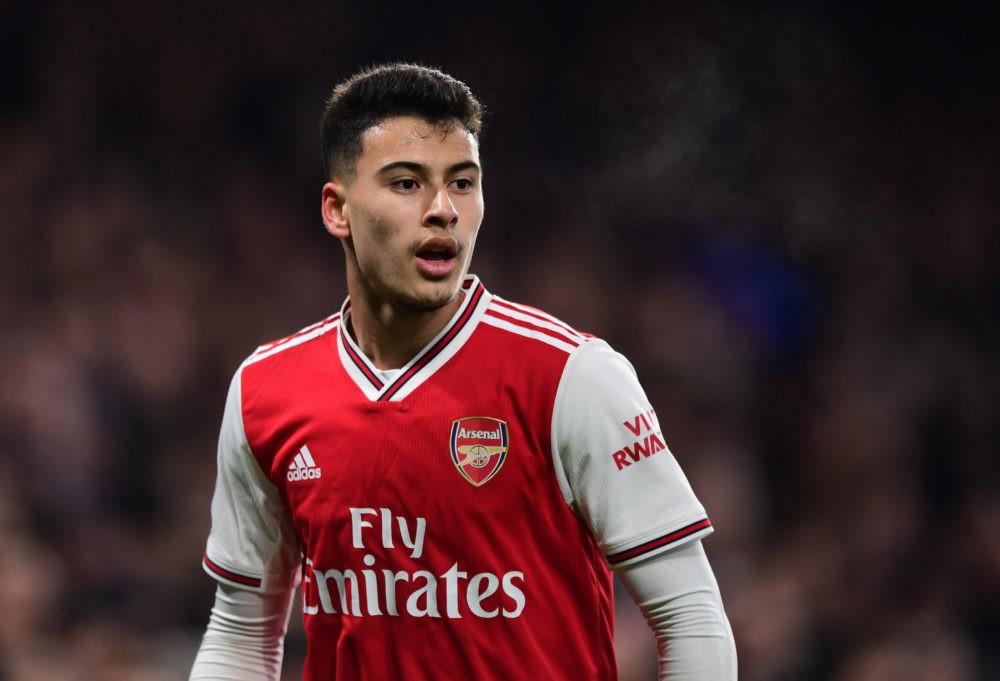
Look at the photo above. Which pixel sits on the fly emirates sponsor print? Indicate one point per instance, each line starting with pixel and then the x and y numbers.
pixel 377 590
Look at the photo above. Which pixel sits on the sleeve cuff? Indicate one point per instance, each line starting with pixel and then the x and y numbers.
pixel 228 576
pixel 699 528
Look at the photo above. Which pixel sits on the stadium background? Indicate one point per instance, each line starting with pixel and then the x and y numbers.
pixel 784 213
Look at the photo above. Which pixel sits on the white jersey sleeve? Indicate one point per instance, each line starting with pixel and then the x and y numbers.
pixel 252 543
pixel 612 462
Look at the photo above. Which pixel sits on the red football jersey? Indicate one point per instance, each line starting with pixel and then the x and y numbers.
pixel 455 518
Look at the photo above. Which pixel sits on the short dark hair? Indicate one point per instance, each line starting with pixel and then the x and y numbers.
pixel 380 92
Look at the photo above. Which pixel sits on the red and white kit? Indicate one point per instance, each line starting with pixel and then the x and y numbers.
pixel 454 518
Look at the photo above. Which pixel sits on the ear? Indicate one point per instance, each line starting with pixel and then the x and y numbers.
pixel 334 210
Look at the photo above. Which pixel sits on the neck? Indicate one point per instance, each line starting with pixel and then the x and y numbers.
pixel 389 336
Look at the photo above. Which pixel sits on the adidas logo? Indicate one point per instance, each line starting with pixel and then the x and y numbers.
pixel 303 467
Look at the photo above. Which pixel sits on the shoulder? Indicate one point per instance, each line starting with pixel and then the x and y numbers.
pixel 294 344
pixel 285 372
pixel 283 364
pixel 533 327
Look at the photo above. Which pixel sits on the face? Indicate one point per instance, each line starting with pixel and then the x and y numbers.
pixel 409 216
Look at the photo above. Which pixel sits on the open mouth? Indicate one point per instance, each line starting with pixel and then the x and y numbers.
pixel 436 257
pixel 437 249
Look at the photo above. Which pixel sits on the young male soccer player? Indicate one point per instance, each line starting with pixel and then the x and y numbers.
pixel 447 474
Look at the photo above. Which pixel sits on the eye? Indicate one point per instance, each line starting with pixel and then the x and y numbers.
pixel 407 184
pixel 463 184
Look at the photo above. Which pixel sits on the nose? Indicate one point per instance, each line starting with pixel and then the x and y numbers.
pixel 441 212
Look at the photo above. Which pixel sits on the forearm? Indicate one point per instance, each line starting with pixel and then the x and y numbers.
pixel 694 640
pixel 678 594
pixel 244 640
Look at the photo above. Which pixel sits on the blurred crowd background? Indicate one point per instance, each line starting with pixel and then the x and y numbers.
pixel 784 213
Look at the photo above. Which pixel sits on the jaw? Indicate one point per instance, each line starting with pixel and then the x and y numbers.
pixel 432 293
pixel 424 278
pixel 414 292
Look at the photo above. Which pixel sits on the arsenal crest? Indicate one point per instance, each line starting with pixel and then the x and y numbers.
pixel 478 447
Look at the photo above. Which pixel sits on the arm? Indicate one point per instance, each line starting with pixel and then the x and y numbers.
pixel 616 471
pixel 677 592
pixel 253 554
pixel 245 636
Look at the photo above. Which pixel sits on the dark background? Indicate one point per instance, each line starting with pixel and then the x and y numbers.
pixel 784 213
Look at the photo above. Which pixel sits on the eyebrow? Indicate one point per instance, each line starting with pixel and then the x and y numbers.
pixel 425 170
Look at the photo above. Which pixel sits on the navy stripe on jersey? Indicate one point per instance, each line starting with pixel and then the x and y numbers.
pixel 659 542
pixel 231 576
pixel 359 362
pixel 443 342
pixel 421 361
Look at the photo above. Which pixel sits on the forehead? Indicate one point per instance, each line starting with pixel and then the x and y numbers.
pixel 414 139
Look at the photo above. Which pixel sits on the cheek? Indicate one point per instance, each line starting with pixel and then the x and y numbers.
pixel 377 227
pixel 380 230
pixel 377 243
pixel 474 212
pixel 472 225
pixel 369 230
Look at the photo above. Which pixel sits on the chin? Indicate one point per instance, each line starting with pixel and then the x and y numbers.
pixel 430 300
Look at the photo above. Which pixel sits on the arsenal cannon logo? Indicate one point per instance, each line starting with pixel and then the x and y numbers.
pixel 478 447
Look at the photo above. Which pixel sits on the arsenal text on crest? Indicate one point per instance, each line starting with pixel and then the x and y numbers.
pixel 478 446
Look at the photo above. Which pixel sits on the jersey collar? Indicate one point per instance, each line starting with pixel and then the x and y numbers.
pixel 434 355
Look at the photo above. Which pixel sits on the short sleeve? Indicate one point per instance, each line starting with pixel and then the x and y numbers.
pixel 612 461
pixel 252 542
